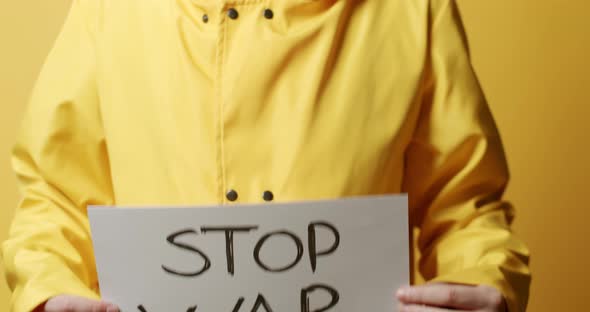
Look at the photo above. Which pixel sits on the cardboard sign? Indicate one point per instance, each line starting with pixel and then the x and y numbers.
pixel 339 256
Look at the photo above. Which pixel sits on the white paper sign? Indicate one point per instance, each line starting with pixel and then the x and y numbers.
pixel 339 256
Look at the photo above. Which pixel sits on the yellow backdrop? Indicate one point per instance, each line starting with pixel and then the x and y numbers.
pixel 533 60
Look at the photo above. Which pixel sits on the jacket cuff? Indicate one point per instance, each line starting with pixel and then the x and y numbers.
pixel 37 292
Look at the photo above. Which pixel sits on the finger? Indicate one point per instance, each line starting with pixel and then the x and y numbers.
pixel 443 295
pixel 113 308
pixel 67 303
pixel 421 308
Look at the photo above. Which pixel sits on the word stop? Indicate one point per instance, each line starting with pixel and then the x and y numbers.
pixel 230 231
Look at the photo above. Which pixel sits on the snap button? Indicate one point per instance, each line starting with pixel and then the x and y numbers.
pixel 269 14
pixel 205 18
pixel 268 196
pixel 232 13
pixel 231 195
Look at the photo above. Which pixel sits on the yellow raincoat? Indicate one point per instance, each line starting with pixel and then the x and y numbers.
pixel 191 102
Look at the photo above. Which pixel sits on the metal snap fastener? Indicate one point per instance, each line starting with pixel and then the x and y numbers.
pixel 268 196
pixel 232 13
pixel 269 14
pixel 231 195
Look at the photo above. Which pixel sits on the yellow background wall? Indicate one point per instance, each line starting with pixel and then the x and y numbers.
pixel 533 58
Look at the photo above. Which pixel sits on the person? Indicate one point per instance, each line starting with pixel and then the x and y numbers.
pixel 192 102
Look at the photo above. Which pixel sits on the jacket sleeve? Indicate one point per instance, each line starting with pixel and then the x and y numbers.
pixel 61 163
pixel 456 173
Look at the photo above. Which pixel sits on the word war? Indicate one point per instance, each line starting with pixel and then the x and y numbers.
pixel 261 304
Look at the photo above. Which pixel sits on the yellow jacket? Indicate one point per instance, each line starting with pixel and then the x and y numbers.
pixel 192 102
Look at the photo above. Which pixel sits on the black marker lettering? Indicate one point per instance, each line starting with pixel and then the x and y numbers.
pixel 171 239
pixel 190 309
pixel 229 241
pixel 261 301
pixel 305 292
pixel 238 305
pixel 311 240
pixel 263 239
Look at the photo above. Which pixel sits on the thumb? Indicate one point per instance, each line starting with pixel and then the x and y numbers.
pixel 67 303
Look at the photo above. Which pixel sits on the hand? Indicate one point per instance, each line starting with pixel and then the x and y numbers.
pixel 450 297
pixel 66 303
